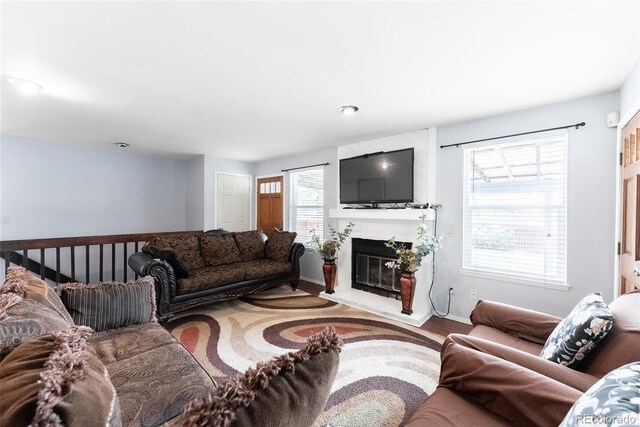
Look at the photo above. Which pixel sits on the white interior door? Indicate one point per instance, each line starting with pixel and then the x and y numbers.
pixel 233 202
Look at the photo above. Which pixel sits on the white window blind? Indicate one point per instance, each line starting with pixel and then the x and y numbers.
pixel 515 209
pixel 306 203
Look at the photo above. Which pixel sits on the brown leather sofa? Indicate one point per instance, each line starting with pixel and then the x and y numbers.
pixel 494 376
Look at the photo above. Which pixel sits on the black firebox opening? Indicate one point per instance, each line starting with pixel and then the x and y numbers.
pixel 368 270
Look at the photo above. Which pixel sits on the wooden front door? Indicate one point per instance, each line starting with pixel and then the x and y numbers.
pixel 270 202
pixel 629 245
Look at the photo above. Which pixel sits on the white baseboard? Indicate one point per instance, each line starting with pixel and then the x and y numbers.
pixel 458 319
pixel 314 281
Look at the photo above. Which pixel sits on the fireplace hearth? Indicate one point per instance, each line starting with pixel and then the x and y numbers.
pixel 368 270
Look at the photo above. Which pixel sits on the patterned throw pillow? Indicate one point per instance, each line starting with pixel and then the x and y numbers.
pixel 182 252
pixel 613 400
pixel 23 319
pixel 290 390
pixel 279 245
pixel 57 380
pixel 219 249
pixel 574 337
pixel 20 281
pixel 251 244
pixel 110 305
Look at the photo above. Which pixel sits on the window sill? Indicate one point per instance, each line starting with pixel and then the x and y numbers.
pixel 516 280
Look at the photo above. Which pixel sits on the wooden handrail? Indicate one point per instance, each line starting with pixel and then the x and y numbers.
pixel 62 242
pixel 17 252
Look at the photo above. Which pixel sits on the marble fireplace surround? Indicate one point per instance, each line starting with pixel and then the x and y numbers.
pixel 381 224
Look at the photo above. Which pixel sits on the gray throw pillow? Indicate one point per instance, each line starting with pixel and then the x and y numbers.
pixel 110 305
pixel 587 324
pixel 613 400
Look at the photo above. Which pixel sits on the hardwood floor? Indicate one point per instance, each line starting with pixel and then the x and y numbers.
pixel 435 324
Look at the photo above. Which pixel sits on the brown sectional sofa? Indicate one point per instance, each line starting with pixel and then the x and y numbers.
pixel 153 375
pixel 193 270
pixel 494 376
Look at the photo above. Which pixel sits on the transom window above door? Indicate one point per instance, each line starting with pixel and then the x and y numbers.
pixel 270 187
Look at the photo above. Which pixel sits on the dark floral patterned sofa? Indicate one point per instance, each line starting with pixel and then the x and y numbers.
pixel 192 270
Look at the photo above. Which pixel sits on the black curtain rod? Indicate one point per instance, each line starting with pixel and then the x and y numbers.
pixel 577 125
pixel 304 167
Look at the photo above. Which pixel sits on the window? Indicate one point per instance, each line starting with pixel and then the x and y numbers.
pixel 515 210
pixel 306 203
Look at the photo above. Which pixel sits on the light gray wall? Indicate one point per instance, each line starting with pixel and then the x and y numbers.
pixel 630 93
pixel 591 211
pixel 58 190
pixel 212 165
pixel 194 194
pixel 311 262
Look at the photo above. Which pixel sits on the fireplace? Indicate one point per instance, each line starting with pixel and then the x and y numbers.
pixel 368 270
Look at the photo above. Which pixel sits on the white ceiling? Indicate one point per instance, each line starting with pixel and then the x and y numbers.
pixel 258 80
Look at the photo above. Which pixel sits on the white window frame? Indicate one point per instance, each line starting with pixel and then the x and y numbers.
pixel 510 274
pixel 304 236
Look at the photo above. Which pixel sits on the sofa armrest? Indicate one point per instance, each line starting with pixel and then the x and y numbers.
pixel 529 325
pixel 145 264
pixel 517 394
pixel 297 250
pixel 578 380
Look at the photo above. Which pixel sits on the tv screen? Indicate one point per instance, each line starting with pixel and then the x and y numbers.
pixel 377 178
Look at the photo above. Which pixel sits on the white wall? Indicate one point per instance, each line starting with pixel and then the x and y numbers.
pixel 591 213
pixel 59 190
pixel 630 93
pixel 311 262
pixel 194 194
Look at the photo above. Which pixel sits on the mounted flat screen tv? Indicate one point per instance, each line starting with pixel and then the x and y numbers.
pixel 385 177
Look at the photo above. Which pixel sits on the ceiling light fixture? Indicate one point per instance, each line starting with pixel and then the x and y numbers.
pixel 122 144
pixel 25 87
pixel 348 110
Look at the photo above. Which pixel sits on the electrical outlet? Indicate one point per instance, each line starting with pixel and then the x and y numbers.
pixel 474 294
pixel 5 219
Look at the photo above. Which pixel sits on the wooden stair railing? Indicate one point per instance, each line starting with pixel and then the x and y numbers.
pixel 17 252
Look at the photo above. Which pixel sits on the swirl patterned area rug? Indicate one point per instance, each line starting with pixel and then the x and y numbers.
pixel 386 369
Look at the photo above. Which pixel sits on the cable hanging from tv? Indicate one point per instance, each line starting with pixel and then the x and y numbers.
pixel 304 167
pixel 458 144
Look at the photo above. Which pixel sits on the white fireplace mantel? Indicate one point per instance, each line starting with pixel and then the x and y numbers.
pixel 383 214
pixel 381 224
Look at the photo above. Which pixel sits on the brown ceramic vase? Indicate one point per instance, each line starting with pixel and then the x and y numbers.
pixel 329 269
pixel 407 290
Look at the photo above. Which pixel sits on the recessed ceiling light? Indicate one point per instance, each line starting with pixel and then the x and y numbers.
pixel 25 87
pixel 348 110
pixel 122 144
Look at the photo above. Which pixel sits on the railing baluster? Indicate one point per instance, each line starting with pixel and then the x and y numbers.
pixel 73 263
pixel 58 265
pixel 88 279
pixel 101 262
pixel 124 265
pixel 7 261
pixel 137 250
pixel 42 264
pixel 113 262
pixel 25 258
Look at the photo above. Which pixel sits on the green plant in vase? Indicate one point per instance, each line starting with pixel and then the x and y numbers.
pixel 328 250
pixel 409 260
